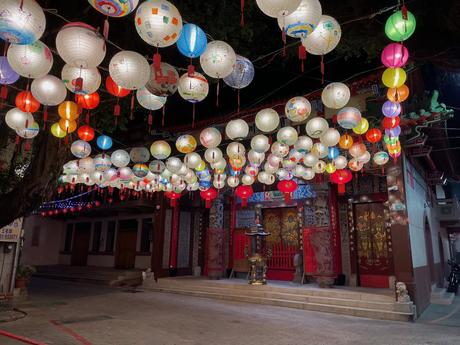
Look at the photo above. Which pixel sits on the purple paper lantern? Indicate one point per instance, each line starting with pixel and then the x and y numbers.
pixel 394 55
pixel 393 132
pixel 391 109
pixel 7 74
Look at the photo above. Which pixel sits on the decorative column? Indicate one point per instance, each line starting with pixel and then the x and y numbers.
pixel 215 240
pixel 174 241
pixel 232 228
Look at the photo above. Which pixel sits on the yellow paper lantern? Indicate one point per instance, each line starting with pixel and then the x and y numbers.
pixel 68 126
pixel 68 110
pixel 330 168
pixel 362 126
pixel 394 77
pixel 345 142
pixel 57 131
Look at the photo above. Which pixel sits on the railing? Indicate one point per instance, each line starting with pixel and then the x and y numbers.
pixel 282 257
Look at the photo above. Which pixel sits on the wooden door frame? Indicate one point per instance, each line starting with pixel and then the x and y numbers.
pixel 118 243
pixel 74 235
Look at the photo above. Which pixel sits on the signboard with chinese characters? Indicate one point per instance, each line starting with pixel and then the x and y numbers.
pixel 11 232
pixel 303 192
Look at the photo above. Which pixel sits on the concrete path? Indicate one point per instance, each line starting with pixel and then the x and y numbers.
pixel 68 313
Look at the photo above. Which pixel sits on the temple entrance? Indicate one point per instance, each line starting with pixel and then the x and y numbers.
pixel 80 246
pixel 283 243
pixel 375 263
pixel 126 244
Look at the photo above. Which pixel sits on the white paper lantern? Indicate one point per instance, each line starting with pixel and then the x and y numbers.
pixel 218 184
pixel 297 109
pixel 310 159
pixel 125 173
pixel 319 150
pixel 301 22
pixel 18 120
pixel 237 129
pixel 49 90
pixel 335 95
pixel 295 156
pixel 340 162
pixel 210 137
pixel 192 160
pixel 129 70
pixel 316 127
pixel 299 171
pixel 319 167
pixel 193 88
pixel 213 155
pixel 330 137
pixel 324 38
pixel 267 120
pixel 91 79
pixel 349 117
pixel 287 135
pixel 274 161
pixel 278 8
pixel 235 149
pixel 157 166
pixel 173 164
pixel 256 158
pixel 80 45
pixel 120 158
pixel 220 165
pixel 381 158
pixel 86 165
pixel 364 158
pixel 139 154
pixel 309 174
pixel 280 149
pixel 233 181
pixel 160 149
pixel 21 25
pixel 32 60
pixel 110 175
pixel 288 164
pixel 102 162
pixel 163 80
pixel 218 59
pixel 148 100
pixel 80 149
pixel 247 180
pixel 260 143
pixel 283 174
pixel 270 169
pixel 29 132
pixel 158 22
pixel 303 144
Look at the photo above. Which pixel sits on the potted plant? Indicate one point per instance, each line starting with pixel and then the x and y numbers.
pixel 23 274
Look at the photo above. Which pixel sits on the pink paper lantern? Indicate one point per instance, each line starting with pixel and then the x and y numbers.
pixel 395 55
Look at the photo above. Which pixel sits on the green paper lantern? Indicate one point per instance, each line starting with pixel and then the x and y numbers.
pixel 398 29
pixel 390 140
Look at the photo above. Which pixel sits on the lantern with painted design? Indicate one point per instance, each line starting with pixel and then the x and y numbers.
pixel 129 70
pixel 298 109
pixel 31 61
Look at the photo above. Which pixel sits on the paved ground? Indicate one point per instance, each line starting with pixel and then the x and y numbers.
pixel 96 315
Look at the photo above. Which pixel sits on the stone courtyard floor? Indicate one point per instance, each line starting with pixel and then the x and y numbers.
pixel 70 313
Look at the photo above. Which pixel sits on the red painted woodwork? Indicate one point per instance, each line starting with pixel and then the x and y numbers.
pixel 374 281
pixel 174 237
pixel 320 257
pixel 281 263
pixel 335 228
pixel 232 230
pixel 241 248
pixel 214 260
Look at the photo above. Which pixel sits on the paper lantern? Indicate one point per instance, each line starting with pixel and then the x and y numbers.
pixel 32 60
pixel 345 142
pixel 29 132
pixel 157 166
pixel 208 195
pixel 242 73
pixel 301 22
pixel 125 173
pixel 381 158
pixel 120 158
pixel 186 143
pixel 333 152
pixel 394 55
pixel 280 149
pixel 278 8
pixel 364 158
pixel 80 45
pixel 114 89
pixel 297 109
pixel 86 165
pixel 114 8
pixel 394 77
pixel 7 74
pixel 340 162
pixel 173 197
pixel 129 70
pixel 361 127
pixel 192 41
pixel 68 110
pixel 288 164
pixel 244 193
pixel 237 129
pixel 22 21
pixel 90 101
pixel 139 154
pixel 330 137
pixel 391 122
pixel 274 161
pixel 237 162
pixel 57 131
pixel 160 149
pixel 393 132
pixel 158 22
pixel 81 80
pixel 85 133
pixel 233 181
pixel 399 29
pixel 324 38
pixel 148 100
pixel 80 149
pixel 390 140
pixel 17 119
pixel 309 174
pixel 355 165
pixel 140 170
pixel 218 59
pixel 335 95
pixel 374 135
pixel 68 126
pixel 267 120
pixel 49 90
pixel 163 80
pixel 287 135
pixel 104 142
pixel 357 149
pixel 316 127
pixel 287 187
pixel 348 117
pixel 341 177
pixel 210 137
pixel 330 168
pixel 102 162
pixel 193 88
pixel 26 102
pixel 235 149
pixel 213 155
pixel 319 150
pixel 260 143
pixel 255 158
pixel 399 94
pixel 391 109
pixel 303 144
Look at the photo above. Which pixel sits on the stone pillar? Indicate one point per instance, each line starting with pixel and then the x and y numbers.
pixel 215 240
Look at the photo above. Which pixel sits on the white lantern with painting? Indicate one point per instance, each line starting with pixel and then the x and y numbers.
pixel 301 22
pixel 31 61
pixel 218 59
pixel 91 79
pixel 303 144
pixel 278 8
pixel 287 135
pixel 335 95
pixel 260 143
pixel 49 90
pixel 267 120
pixel 210 137
pixel 316 127
pixel 129 70
pixel 324 38
pixel 237 129
pixel 330 137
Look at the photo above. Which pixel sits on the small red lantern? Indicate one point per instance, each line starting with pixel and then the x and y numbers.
pixel 114 89
pixel 208 195
pixel 26 102
pixel 90 101
pixel 173 197
pixel 374 135
pixel 389 123
pixel 287 187
pixel 341 177
pixel 244 192
pixel 86 133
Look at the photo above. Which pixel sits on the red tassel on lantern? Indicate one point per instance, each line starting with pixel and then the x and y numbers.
pixel 217 92
pixel 322 69
pixel 242 13
pixel 193 114
pixel 116 110
pixel 302 56
pixel 4 92
pixel 404 12
pixel 131 115
pixel 78 84
pixel 88 115
pixel 156 60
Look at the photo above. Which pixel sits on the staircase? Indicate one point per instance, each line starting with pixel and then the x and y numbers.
pixel 91 275
pixel 354 302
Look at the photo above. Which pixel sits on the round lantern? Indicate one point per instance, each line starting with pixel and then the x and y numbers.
pixel 348 117
pixel 210 137
pixel 355 165
pixel 186 143
pixel 192 41
pixel 69 126
pixel 374 135
pixel 120 158
pixel 309 174
pixel 7 74
pixel 26 102
pixel 237 162
pixel 104 142
pixel 110 174
pixel 399 29
pixel 390 140
pixel 260 143
pixel 333 153
pixel 391 122
pixel 319 167
pixel 297 109
pixel 194 87
pixel 393 132
pixel 163 80
pixel 129 70
pixel 361 127
pixel 160 149
pixel 316 127
pixel 31 61
pixel 274 161
pixel 341 177
pixel 357 149
pixel 398 94
pixel 57 131
pixel 21 22
pixel 114 89
pixel 242 73
pixel 287 187
pixel 173 197
pixel 340 162
pixel 319 150
pixel 80 149
pixel 140 170
pixel 148 100
pixel 17 119
pixel 267 120
pixel 301 22
pixel 213 155
pixel 310 159
pixel 218 59
pixel 324 38
pixel 90 101
pixel 125 173
pixel 335 95
pixel 237 129
pixel 394 55
pixel 157 167
pixel 280 149
pixel 235 149
pixel 208 195
pixel 278 8
pixel 29 132
pixel 80 45
pixel 244 193
pixel 287 135
pixel 364 158
pixel 255 158
pixel 114 8
pixel 86 165
pixel 90 79
pixel 247 180
pixel 85 133
pixel 394 77
pixel 68 110
pixel 233 181
pixel 102 162
pixel 139 154
pixel 158 22
pixel 381 158
pixel 391 109
pixel 330 168
pixel 49 90
pixel 303 144
pixel 330 137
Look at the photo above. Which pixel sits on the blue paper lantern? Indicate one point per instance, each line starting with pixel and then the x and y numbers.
pixel 333 152
pixel 7 74
pixel 104 142
pixel 242 75
pixel 393 132
pixel 192 41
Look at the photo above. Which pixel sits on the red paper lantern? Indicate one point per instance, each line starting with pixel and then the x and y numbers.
pixel 287 187
pixel 90 101
pixel 173 197
pixel 389 123
pixel 374 135
pixel 208 195
pixel 86 133
pixel 244 192
pixel 26 102
pixel 114 89
pixel 341 177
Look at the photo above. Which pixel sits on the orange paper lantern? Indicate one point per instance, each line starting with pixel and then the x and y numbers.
pixel 68 126
pixel 398 94
pixel 345 142
pixel 26 102
pixel 68 110
pixel 90 101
